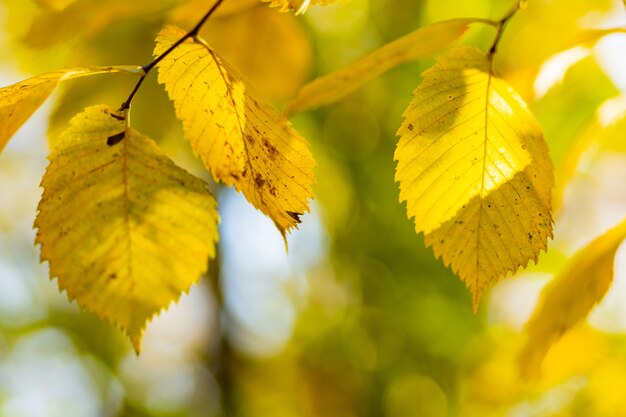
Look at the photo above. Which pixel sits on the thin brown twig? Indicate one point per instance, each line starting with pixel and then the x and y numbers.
pixel 501 25
pixel 147 68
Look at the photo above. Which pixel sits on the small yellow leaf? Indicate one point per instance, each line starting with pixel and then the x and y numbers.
pixel 240 138
pixel 123 228
pixel 298 6
pixel 474 170
pixel 19 101
pixel 423 43
pixel 571 296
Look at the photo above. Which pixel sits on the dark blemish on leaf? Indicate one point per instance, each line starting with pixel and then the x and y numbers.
pixel 259 181
pixel 530 237
pixel 410 127
pixel 250 139
pixel 273 153
pixel 115 139
pixel 273 191
pixel 295 216
pixel 113 277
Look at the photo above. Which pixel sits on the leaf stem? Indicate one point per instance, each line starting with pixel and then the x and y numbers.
pixel 193 33
pixel 501 25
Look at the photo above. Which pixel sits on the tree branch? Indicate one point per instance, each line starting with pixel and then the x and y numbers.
pixel 501 25
pixel 147 68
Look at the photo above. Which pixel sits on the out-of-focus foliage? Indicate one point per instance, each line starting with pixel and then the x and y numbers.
pixel 420 44
pixel 572 295
pixel 299 6
pixel 359 319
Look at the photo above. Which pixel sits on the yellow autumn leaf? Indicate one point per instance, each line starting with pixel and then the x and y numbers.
pixel 19 101
pixel 423 43
pixel 571 296
pixel 123 228
pixel 298 6
pixel 474 170
pixel 240 138
pixel 270 49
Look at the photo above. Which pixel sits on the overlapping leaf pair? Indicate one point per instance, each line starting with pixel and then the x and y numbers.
pixel 124 229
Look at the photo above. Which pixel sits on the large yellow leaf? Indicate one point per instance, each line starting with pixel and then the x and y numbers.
pixel 474 170
pixel 570 297
pixel 298 6
pixel 238 136
pixel 423 43
pixel 19 101
pixel 123 228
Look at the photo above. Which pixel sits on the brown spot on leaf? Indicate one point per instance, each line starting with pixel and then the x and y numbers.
pixel 273 153
pixel 295 216
pixel 410 127
pixel 259 181
pixel 115 139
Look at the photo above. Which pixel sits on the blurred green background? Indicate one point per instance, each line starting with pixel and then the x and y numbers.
pixel 358 319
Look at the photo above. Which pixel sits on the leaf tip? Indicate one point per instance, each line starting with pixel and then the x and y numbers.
pixel 136 339
pixel 476 297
